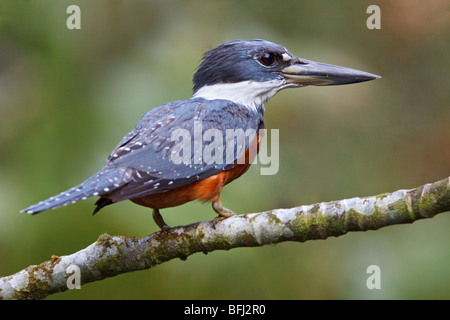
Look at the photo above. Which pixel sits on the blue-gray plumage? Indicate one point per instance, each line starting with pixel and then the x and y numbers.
pixel 231 86
pixel 141 163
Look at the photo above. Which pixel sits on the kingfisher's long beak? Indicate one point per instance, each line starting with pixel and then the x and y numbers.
pixel 305 72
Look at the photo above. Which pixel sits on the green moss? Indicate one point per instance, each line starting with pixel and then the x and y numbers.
pixel 108 264
pixel 436 199
pixel 151 257
pixel 105 240
pixel 273 219
pixel 36 288
pixel 381 196
pixel 174 245
pixel 401 213
pixel 247 239
pixel 220 242
pixel 427 205
pixel 310 226
pixel 352 220
pixel 191 243
pixel 375 220
pixel 316 225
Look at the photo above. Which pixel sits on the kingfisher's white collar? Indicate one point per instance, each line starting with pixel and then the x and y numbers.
pixel 252 94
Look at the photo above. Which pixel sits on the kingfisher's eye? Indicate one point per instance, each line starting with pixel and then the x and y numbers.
pixel 268 58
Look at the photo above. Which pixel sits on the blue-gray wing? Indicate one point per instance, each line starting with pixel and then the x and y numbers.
pixel 172 146
pixel 179 143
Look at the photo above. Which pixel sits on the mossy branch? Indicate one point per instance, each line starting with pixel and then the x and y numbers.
pixel 112 255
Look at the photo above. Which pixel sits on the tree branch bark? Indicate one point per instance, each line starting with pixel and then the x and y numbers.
pixel 112 255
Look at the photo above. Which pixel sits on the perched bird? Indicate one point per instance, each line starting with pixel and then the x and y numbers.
pixel 231 85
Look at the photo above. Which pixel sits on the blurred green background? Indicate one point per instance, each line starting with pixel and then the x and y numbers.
pixel 68 96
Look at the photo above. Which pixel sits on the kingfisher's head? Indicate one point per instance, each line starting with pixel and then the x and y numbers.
pixel 251 71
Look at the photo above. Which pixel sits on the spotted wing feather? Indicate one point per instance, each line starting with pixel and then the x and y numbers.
pixel 141 163
pixel 149 152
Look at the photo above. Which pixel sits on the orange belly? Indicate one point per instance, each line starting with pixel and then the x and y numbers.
pixel 204 190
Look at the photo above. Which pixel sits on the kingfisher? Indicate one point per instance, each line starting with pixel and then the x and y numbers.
pixel 231 86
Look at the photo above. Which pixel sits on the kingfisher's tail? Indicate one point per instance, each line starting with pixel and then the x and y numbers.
pixel 64 198
pixel 99 184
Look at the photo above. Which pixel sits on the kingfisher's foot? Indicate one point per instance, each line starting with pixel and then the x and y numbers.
pixel 221 211
pixel 160 221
